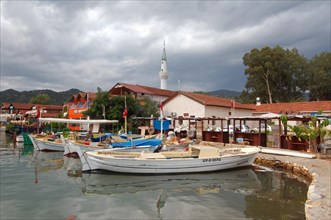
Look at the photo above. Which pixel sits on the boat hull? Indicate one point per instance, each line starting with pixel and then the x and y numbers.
pixel 42 145
pixel 71 148
pixel 167 166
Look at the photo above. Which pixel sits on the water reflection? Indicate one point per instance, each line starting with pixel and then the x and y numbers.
pixel 166 189
pixel 279 196
pixel 112 183
pixel 41 182
pixel 266 194
pixel 45 161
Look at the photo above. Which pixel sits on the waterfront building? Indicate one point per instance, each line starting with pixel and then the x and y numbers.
pixel 27 109
pixel 200 105
pixel 77 105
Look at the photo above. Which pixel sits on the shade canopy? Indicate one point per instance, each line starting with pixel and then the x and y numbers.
pixel 78 121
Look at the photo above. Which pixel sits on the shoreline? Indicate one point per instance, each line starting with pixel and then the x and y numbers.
pixel 316 171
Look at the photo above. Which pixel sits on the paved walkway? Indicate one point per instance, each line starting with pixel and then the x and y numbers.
pixel 318 204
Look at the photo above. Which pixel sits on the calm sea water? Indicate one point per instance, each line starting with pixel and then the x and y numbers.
pixel 38 185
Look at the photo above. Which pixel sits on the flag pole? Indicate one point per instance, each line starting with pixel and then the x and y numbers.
pixel 126 122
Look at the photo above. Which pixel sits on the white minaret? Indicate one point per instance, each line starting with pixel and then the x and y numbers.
pixel 164 70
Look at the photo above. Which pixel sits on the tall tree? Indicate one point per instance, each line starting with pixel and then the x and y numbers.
pixel 112 107
pixel 274 75
pixel 320 77
pixel 41 99
pixel 100 106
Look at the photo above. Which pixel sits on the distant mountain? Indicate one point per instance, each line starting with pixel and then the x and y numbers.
pixel 57 98
pixel 225 93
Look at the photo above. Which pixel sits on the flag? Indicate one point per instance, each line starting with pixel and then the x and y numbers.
pixel 161 106
pixel 38 112
pixel 125 112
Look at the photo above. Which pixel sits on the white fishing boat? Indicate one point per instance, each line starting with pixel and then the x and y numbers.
pixel 196 159
pixel 46 144
pixel 70 147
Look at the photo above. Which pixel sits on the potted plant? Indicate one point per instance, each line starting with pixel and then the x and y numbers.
pixel 309 131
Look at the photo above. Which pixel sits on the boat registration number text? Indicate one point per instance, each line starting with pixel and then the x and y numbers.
pixel 211 160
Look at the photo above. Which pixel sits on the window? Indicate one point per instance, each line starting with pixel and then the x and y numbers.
pixel 80 105
pixel 73 105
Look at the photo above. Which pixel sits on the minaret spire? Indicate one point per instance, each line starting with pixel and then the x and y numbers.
pixel 164 70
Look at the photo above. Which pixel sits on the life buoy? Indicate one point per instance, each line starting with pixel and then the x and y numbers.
pixel 151 130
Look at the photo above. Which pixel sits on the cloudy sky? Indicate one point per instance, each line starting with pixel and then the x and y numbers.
pixel 61 45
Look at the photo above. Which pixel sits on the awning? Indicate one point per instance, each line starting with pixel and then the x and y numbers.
pixel 79 121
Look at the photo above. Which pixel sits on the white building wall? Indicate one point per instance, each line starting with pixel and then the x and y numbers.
pixel 182 104
pixel 223 112
pixel 216 111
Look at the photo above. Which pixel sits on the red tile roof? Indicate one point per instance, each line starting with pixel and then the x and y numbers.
pixel 293 107
pixel 83 96
pixel 211 100
pixel 143 89
pixel 92 95
pixel 53 110
pixel 18 105
pixel 50 107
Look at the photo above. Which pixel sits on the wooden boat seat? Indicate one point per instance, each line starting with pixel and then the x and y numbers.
pixel 144 155
pixel 206 151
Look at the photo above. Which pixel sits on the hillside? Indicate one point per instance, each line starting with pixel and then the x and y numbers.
pixel 57 98
pixel 225 93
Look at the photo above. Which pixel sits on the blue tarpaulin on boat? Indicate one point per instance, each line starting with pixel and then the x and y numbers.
pixel 103 137
pixel 138 142
pixel 157 124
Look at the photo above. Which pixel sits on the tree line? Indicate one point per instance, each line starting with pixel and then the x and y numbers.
pixel 283 75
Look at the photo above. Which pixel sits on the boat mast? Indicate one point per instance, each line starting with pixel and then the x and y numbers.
pixel 161 115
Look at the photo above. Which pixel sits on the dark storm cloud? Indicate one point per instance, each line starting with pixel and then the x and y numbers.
pixel 88 44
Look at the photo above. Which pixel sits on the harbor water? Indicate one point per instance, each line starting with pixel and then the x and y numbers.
pixel 44 185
